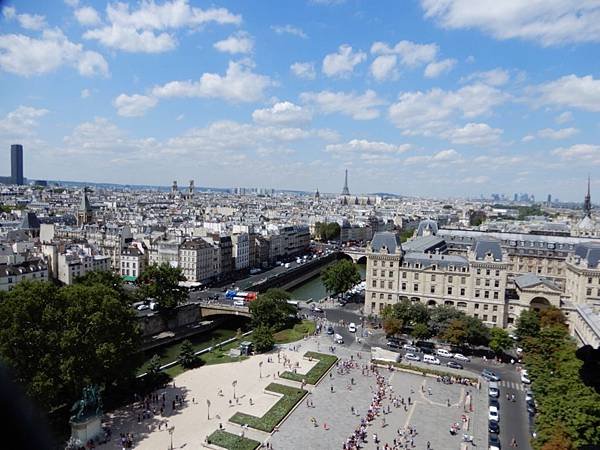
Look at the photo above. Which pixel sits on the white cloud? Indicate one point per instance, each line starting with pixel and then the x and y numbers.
pixel 548 22
pixel 282 113
pixel 579 152
pixel 86 93
pixel 563 133
pixel 365 146
pixel 342 63
pixel 564 117
pixel 240 42
pixel 27 21
pixel 239 84
pixel 571 91
pixel 528 138
pixel 480 134
pixel 411 54
pixel 304 70
pixel 131 40
pixel 133 105
pixel 494 77
pixel 429 112
pixel 144 29
pixel 359 107
pixel 72 3
pixel 479 179
pixel 436 68
pixel 383 67
pixel 443 156
pixel 87 16
pixel 21 121
pixel 9 12
pixel 289 29
pixel 23 55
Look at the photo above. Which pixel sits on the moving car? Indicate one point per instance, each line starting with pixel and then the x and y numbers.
pixel 411 357
pixel 240 303
pixel 338 339
pixel 493 414
pixel 352 328
pixel 315 308
pixel 454 365
pixel 410 348
pixel 329 330
pixel 461 357
pixel 493 427
pixel 489 375
pixel 431 360
pixel 443 352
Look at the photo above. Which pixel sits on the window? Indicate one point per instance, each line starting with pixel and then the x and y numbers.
pixel 389 296
pixel 374 283
pixel 391 263
pixel 496 283
pixel 416 287
pixel 462 291
pixel 449 290
pixel 495 308
pixel 495 295
pixel 497 272
pixel 588 291
pixel 485 316
pixel 477 294
pixel 486 294
pixel 416 276
pixel 380 296
pixel 374 272
pixel 432 277
pixel 372 306
pixel 476 316
pixel 461 304
pixel 485 307
pixel 478 281
pixel 403 274
pixel 381 284
pixel 494 318
pixel 478 271
pixel 450 279
pixel 373 295
pixel 403 286
pixel 432 289
pixel 487 271
pixel 463 280
pixel 390 284
pixel 589 280
pixel 487 283
pixel 391 274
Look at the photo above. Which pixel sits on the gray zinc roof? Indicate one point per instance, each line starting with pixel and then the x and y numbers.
pixel 386 239
pixel 529 280
pixel 424 244
pixel 487 247
pixel 442 261
pixel 590 251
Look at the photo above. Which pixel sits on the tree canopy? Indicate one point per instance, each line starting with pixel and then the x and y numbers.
pixel 161 283
pixel 500 341
pixel 263 339
pixel 340 277
pixel 528 324
pixel 58 340
pixel 327 231
pixel 271 309
pixel 106 278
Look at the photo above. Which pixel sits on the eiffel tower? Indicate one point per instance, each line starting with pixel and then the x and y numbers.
pixel 345 190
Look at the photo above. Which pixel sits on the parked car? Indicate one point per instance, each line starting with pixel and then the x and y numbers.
pixel 494 392
pixel 410 348
pixel 525 379
pixel 429 359
pixel 338 339
pixel 461 357
pixel 330 330
pixel 239 303
pixel 495 402
pixel 493 427
pixel 443 352
pixel 493 414
pixel 426 350
pixel 412 357
pixel 531 409
pixel 454 365
pixel 393 344
pixel 352 327
pixel 494 441
pixel 315 308
pixel 489 375
pixel 529 395
pixel 142 307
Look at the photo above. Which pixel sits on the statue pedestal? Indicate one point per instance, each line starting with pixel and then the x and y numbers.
pixel 86 429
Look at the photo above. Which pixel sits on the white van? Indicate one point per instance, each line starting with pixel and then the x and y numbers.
pixel 443 352
pixel 338 339
pixel 430 359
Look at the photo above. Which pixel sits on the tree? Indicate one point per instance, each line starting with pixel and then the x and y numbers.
pixel 106 278
pixel 405 235
pixel 327 231
pixel 528 324
pixel 559 440
pixel 421 332
pixel 552 316
pixel 58 340
pixel 441 316
pixel 153 366
pixel 340 277
pixel 477 332
pixel 392 326
pixel 455 333
pixel 500 341
pixel 418 313
pixel 187 358
pixel 161 283
pixel 263 339
pixel 271 309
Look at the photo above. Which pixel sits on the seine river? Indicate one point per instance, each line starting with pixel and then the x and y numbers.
pixel 314 289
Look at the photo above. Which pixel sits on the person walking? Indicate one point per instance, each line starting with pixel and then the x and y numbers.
pixel 513 442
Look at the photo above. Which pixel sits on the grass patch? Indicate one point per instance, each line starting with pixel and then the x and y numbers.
pixel 423 370
pixel 291 396
pixel 318 370
pixel 231 441
pixel 297 332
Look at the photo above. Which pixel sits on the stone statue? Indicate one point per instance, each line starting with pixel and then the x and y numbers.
pixel 90 404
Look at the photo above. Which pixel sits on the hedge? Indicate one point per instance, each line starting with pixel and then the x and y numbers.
pixel 291 396
pixel 232 441
pixel 323 364
pixel 423 370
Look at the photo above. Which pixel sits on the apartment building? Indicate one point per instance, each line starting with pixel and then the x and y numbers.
pixel 199 260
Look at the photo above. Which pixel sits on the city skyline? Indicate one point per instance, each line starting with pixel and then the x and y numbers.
pixel 418 98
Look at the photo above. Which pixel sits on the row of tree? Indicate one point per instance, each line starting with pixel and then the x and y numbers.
pixel 569 410
pixel 271 312
pixel 327 231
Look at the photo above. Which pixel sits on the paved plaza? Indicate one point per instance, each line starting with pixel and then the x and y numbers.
pixel 323 420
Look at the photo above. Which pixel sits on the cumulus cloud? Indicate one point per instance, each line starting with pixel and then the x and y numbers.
pixel 436 68
pixel 443 156
pixel 479 134
pixel 289 29
pixel 282 113
pixel 358 106
pixel 528 138
pixel 547 22
pixel 494 77
pixel 133 105
pixel 86 93
pixel 27 21
pixel 342 63
pixel 384 67
pixel 87 16
pixel 579 152
pixel 304 70
pixel 570 91
pixel 563 133
pixel 410 53
pixel 240 42
pixel 23 55
pixel 129 39
pixel 564 117
pixel 365 146
pixel 21 121
pixel 239 84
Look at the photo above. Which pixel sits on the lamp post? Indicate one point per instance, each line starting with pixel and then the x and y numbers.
pixel 260 369
pixel 208 408
pixel 171 430
pixel 234 384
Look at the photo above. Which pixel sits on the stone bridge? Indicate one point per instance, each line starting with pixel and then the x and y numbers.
pixel 220 309
pixel 358 254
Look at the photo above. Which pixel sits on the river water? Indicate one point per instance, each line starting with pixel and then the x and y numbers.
pixel 314 289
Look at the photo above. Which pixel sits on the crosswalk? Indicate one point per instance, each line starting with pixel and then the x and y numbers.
pixel 515 385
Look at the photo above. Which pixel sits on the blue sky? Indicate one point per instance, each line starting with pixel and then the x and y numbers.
pixel 418 97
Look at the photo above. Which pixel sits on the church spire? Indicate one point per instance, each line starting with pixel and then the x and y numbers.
pixel 587 202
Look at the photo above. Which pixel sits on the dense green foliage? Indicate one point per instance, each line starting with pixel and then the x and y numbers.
pixel 291 396
pixel 58 340
pixel 316 372
pixel 500 341
pixel 422 369
pixel 563 399
pixel 161 283
pixel 272 309
pixel 327 231
pixel 296 332
pixel 405 235
pixel 187 358
pixel 340 277
pixel 476 218
pixel 263 339
pixel 528 324
pixel 106 278
pixel 232 441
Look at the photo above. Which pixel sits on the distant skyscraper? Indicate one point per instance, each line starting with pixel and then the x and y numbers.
pixel 345 190
pixel 16 164
pixel 549 198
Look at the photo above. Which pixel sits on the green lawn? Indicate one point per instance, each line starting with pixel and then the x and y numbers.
pixel 318 370
pixel 231 441
pixel 424 370
pixel 291 396
pixel 295 333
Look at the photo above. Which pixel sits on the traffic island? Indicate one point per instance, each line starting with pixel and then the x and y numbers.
pixel 279 411
pixel 324 363
pixel 231 441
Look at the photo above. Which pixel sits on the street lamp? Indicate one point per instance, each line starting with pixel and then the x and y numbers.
pixel 208 408
pixel 234 384
pixel 171 430
pixel 260 369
